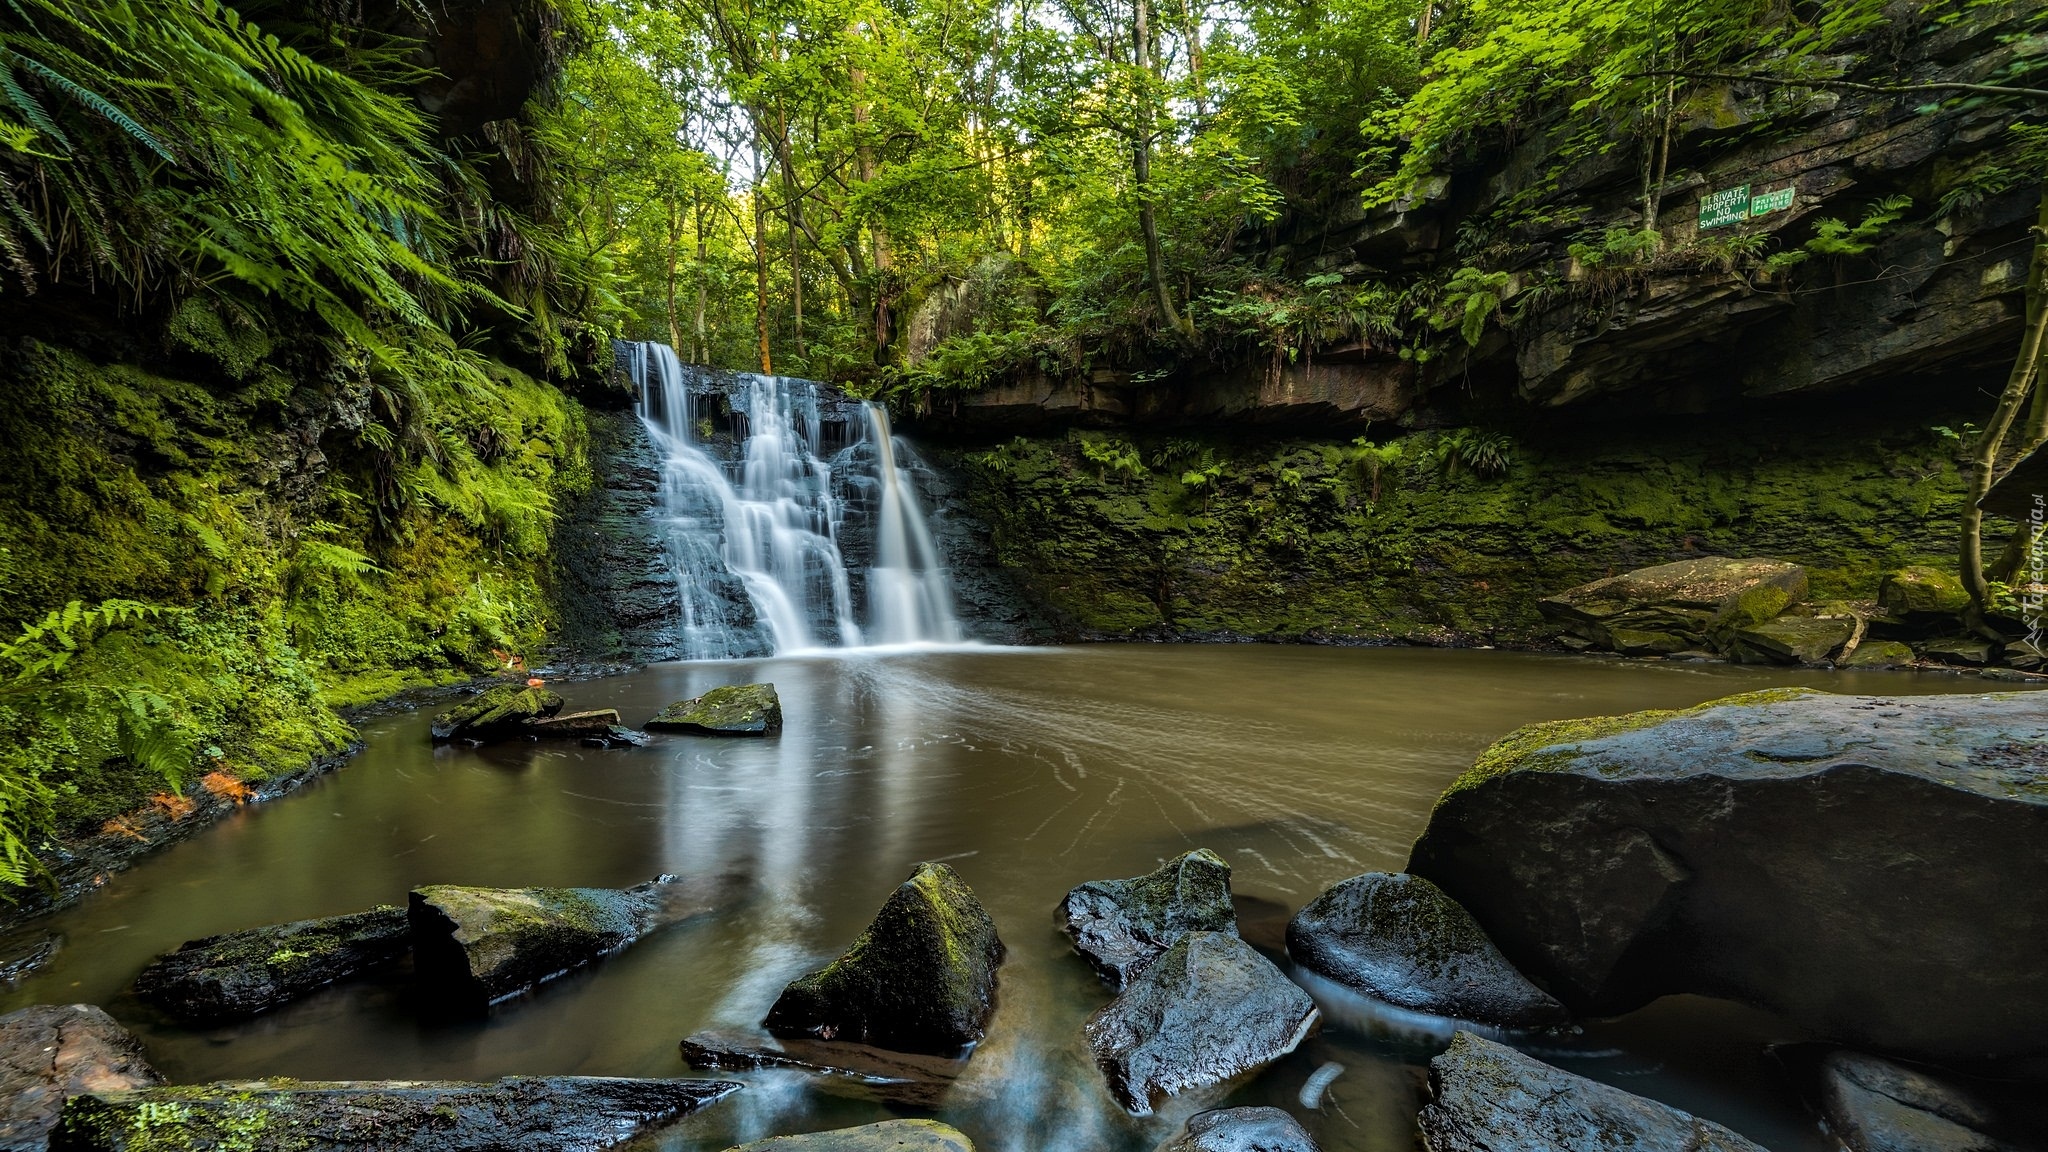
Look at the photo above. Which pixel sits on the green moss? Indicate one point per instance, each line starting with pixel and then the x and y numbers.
pixel 1554 744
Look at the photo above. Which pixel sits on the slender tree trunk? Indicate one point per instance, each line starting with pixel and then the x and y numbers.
pixel 1141 173
pixel 2034 433
pixel 1422 21
pixel 761 260
pixel 675 255
pixel 700 342
pixel 883 303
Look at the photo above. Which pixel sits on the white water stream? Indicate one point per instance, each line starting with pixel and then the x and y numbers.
pixel 757 519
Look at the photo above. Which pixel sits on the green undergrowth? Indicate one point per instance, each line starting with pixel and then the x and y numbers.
pixel 323 533
pixel 1441 536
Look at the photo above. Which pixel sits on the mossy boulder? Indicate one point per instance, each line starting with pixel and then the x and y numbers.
pixel 1791 849
pixel 921 978
pixel 1399 939
pixel 1678 606
pixel 887 1136
pixel 1880 654
pixel 1243 1130
pixel 473 947
pixel 52 1052
pixel 530 1113
pixel 1206 1012
pixel 496 713
pixel 1968 651
pixel 240 974
pixel 1922 593
pixel 1487 1097
pixel 1119 926
pixel 1792 640
pixel 732 710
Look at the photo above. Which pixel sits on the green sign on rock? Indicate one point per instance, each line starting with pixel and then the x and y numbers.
pixel 1776 200
pixel 1728 206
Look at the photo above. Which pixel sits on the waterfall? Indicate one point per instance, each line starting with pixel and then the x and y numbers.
pixel 772 491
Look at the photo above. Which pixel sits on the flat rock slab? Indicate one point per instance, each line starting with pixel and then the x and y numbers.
pixel 1206 1012
pixel 52 1052
pixel 598 722
pixel 1792 639
pixel 1874 1105
pixel 1672 607
pixel 1399 939
pixel 1488 1097
pixel 906 1078
pixel 527 1113
pixel 733 710
pixel 1243 1130
pixel 921 978
pixel 888 1136
pixel 239 974
pixel 1120 926
pixel 496 713
pixel 474 947
pixel 1865 866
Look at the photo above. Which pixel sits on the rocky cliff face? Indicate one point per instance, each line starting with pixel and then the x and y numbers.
pixel 1696 326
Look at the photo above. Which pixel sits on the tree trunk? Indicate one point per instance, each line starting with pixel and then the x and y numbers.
pixel 1141 174
pixel 761 261
pixel 700 342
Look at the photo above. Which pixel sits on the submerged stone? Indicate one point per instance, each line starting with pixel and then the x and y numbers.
pixel 1119 926
pixel 496 713
pixel 1210 1009
pixel 921 978
pixel 528 1113
pixel 52 1052
pixel 733 710
pixel 1792 639
pixel 473 947
pixel 1399 939
pixel 1487 1097
pixel 910 1079
pixel 1791 849
pixel 1243 1130
pixel 887 1136
pixel 239 974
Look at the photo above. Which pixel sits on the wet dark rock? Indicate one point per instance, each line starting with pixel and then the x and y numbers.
pixel 473 947
pixel 921 978
pixel 1972 651
pixel 23 955
pixel 1690 604
pixel 1398 938
pixel 732 710
pixel 52 1052
pixel 1120 926
pixel 597 723
pixel 1210 1009
pixel 1487 1097
pixel 1874 1105
pixel 616 736
pixel 1790 849
pixel 1791 640
pixel 887 1136
pixel 496 713
pixel 240 974
pixel 528 1113
pixel 910 1079
pixel 1243 1130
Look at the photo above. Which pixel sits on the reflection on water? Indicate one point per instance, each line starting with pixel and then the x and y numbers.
pixel 1028 771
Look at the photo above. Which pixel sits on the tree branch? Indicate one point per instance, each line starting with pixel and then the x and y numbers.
pixel 1850 85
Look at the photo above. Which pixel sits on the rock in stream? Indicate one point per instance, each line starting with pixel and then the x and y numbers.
pixel 527 1113
pixel 1487 1097
pixel 910 1079
pixel 1866 866
pixel 1398 938
pixel 240 974
pixel 921 978
pixel 474 947
pixel 1210 1009
pixel 1243 1130
pixel 887 1136
pixel 1874 1105
pixel 496 713
pixel 733 710
pixel 52 1052
pixel 1120 926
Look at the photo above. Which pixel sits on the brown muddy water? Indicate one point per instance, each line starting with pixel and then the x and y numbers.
pixel 1029 771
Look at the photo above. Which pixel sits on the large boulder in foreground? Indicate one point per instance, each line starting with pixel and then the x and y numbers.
pixel 733 710
pixel 1204 1013
pixel 52 1052
pixel 1120 926
pixel 529 1113
pixel 239 974
pixel 1866 866
pixel 1243 1130
pixel 887 1136
pixel 1487 1097
pixel 921 978
pixel 496 713
pixel 1874 1105
pixel 473 947
pixel 1399 939
pixel 1675 607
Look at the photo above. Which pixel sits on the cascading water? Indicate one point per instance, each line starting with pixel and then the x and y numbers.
pixel 757 516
